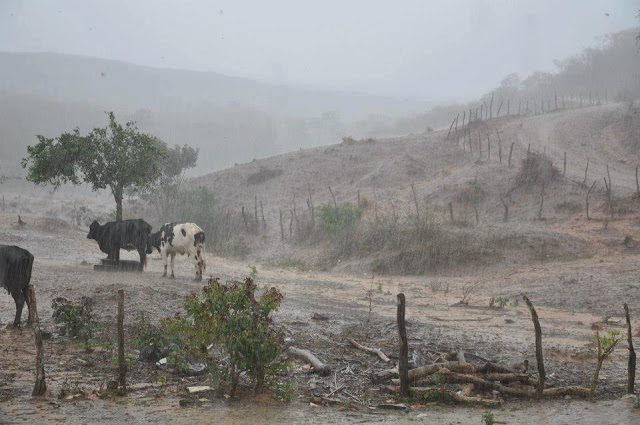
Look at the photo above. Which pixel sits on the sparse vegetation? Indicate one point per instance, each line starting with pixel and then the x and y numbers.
pixel 605 346
pixel 487 418
pixel 535 169
pixel 262 176
pixel 76 320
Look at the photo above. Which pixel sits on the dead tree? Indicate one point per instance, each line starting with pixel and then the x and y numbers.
pixel 631 378
pixel 450 211
pixel 488 148
pixel 40 386
pixel 539 358
pixel 491 106
pixel 450 128
pixel 480 146
pixel 456 121
pixel 264 222
pixel 255 211
pixel 464 116
pixel 281 227
pixel 499 145
pixel 122 365
pixel 505 203
pixel 291 226
pixel 244 218
pixel 637 189
pixel 608 192
pixel 609 176
pixel 564 167
pixel 584 182
pixel 510 152
pixel 499 107
pixel 403 362
pixel 312 207
pixel 508 106
pixel 335 204
pixel 481 107
pixel 588 193
pixel 541 202
pixel 415 200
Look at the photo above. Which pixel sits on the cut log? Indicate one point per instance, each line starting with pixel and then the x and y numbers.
pixel 486 402
pixel 321 368
pixel 508 377
pixel 565 391
pixel 384 375
pixel 459 378
pixel 375 351
pixel 433 368
pixel 494 367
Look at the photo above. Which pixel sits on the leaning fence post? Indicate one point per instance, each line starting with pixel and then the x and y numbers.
pixel 539 358
pixel 41 386
pixel 403 363
pixel 122 366
pixel 631 378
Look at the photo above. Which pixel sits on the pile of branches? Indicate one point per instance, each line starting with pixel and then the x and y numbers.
pixel 486 383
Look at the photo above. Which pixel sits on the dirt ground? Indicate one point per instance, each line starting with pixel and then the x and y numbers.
pixel 570 294
pixel 564 295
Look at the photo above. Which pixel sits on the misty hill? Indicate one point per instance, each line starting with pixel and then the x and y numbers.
pixel 227 118
pixel 120 85
pixel 382 171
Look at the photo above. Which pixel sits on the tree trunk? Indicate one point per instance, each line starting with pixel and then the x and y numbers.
pixel 588 193
pixel 510 152
pixel 117 195
pixel 539 358
pixel 403 363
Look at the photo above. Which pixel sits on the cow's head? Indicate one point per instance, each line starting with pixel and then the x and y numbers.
pixel 154 241
pixel 93 230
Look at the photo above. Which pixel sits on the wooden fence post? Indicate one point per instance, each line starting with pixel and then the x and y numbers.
pixel 539 358
pixel 584 182
pixel 122 365
pixel 510 152
pixel 281 227
pixel 40 386
pixel 588 192
pixel 631 378
pixel 637 186
pixel 403 362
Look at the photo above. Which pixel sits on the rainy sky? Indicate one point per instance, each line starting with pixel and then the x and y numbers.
pixel 419 49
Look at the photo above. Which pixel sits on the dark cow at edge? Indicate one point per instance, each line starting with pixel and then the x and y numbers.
pixel 126 234
pixel 15 274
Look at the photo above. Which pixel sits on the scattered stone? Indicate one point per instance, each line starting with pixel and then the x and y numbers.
pixel 509 321
pixel 161 362
pixel 317 316
pixel 196 369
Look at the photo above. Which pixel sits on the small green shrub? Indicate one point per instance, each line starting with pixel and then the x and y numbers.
pixel 487 418
pixel 502 302
pixel 337 219
pixel 148 334
pixel 77 320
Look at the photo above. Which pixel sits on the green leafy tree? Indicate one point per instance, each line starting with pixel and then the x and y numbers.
pixel 115 157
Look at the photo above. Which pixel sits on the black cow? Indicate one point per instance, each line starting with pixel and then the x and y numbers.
pixel 127 234
pixel 15 274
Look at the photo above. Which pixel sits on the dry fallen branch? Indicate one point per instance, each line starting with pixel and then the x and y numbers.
pixel 321 368
pixel 433 368
pixel 375 351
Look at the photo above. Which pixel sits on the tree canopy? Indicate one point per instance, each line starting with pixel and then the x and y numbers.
pixel 115 157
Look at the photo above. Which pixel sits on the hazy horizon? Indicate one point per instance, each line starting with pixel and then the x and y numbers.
pixel 428 52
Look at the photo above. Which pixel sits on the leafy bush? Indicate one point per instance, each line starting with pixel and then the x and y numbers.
pixel 536 168
pixel 77 320
pixel 239 325
pixel 337 219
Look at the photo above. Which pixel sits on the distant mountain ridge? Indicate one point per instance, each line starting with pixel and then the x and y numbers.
pixel 122 85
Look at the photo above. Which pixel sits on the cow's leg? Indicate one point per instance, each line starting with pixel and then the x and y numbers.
pixel 173 258
pixel 143 257
pixel 198 265
pixel 26 297
pixel 19 299
pixel 164 257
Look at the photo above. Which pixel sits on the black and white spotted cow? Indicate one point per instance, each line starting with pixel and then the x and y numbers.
pixel 180 238
pixel 15 274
